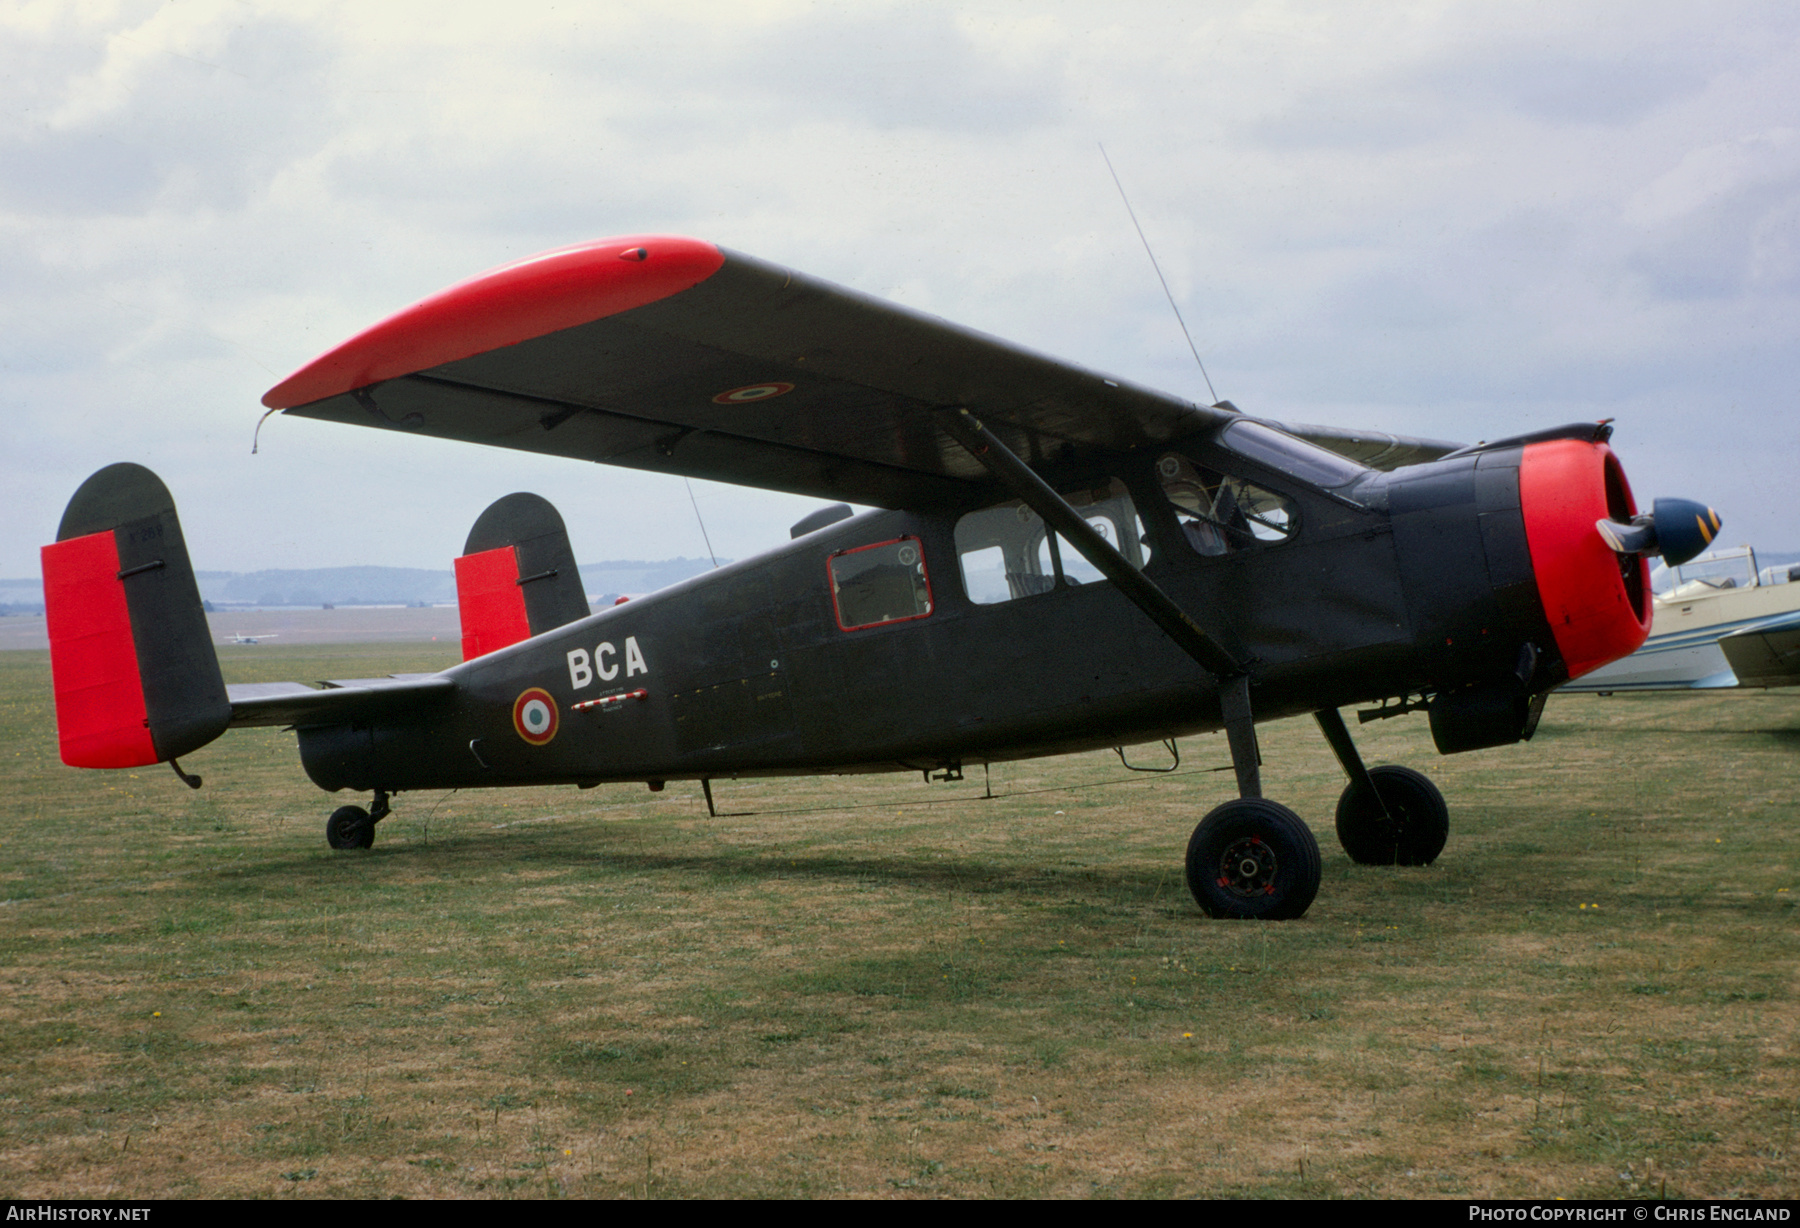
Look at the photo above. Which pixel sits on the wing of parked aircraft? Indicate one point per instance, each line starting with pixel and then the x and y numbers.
pixel 670 354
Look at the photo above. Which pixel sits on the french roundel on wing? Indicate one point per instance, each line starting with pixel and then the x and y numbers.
pixel 752 392
pixel 534 716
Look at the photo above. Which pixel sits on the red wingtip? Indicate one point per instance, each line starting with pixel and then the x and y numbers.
pixel 528 298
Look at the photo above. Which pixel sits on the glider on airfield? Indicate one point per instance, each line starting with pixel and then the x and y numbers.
pixel 1062 561
pixel 1718 622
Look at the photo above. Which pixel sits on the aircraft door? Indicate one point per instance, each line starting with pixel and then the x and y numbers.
pixel 742 698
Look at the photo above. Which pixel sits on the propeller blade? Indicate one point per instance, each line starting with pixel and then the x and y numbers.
pixel 1633 538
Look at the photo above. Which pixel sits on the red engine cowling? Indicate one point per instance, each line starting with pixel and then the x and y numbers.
pixel 1596 601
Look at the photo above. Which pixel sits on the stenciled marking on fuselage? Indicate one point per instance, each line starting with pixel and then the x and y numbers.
pixel 606 662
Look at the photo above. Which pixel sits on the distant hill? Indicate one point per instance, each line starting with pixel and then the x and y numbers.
pixel 21 597
pixel 611 580
pixel 603 582
pixel 376 585
pixel 336 585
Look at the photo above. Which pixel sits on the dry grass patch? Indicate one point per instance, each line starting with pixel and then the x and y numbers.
pixel 871 987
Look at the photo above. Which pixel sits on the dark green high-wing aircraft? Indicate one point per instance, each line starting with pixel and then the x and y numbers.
pixel 1062 561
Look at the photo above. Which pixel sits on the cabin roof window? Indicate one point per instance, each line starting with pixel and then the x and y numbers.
pixel 883 583
pixel 1279 450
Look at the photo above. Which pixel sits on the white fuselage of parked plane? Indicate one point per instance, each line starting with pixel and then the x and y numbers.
pixel 1717 596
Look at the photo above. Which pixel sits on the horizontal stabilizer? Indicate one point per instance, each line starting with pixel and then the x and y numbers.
pixel 131 657
pixel 517 576
pixel 295 703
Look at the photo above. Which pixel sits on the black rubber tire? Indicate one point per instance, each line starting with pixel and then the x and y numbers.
pixel 1253 859
pixel 350 827
pixel 1413 836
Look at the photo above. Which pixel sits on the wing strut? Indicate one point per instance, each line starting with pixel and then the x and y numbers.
pixel 1231 675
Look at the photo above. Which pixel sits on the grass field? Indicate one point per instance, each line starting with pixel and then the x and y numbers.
pixel 875 987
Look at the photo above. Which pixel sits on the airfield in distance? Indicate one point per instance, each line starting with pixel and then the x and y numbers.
pixel 371 605
pixel 343 625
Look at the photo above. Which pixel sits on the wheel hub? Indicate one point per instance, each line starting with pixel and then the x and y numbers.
pixel 1248 868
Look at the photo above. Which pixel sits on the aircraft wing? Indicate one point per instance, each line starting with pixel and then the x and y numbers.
pixel 1376 449
pixel 1766 655
pixel 1753 652
pixel 295 703
pixel 670 354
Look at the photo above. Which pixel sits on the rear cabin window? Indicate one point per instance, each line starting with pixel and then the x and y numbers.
pixel 883 583
pixel 1007 552
pixel 1221 514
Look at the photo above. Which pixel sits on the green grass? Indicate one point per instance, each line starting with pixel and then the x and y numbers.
pixel 875 987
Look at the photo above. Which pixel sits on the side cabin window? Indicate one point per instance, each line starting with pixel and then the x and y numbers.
pixel 1221 514
pixel 1008 552
pixel 883 583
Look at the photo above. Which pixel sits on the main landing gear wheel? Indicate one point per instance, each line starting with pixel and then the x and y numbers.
pixel 1410 832
pixel 1253 859
pixel 350 827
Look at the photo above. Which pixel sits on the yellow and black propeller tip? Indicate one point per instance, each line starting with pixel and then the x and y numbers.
pixel 1677 529
pixel 1683 529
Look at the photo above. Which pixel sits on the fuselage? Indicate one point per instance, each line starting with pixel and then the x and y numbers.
pixel 916 640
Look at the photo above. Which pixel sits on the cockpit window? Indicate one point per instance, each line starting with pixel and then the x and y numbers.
pixel 1219 513
pixel 1279 450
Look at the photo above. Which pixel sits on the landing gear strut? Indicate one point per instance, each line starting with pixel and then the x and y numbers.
pixel 1387 816
pixel 1251 859
pixel 1248 858
pixel 352 827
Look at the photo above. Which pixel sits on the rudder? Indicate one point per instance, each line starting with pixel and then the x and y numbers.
pixel 131 657
pixel 517 575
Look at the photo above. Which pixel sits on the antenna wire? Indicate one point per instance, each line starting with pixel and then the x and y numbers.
pixel 1159 276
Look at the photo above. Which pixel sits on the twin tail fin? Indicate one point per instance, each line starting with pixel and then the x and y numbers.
pixel 136 676
pixel 137 680
pixel 517 576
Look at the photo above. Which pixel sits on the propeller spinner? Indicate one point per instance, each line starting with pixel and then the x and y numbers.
pixel 1676 529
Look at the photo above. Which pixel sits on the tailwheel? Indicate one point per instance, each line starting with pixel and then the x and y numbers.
pixel 350 827
pixel 1253 859
pixel 1406 826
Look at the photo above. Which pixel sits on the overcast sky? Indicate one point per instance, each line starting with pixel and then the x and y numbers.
pixel 1454 220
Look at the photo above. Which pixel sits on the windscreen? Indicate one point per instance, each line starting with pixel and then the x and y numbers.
pixel 1279 450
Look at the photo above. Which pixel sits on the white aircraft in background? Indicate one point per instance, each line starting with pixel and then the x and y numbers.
pixel 247 639
pixel 1718 622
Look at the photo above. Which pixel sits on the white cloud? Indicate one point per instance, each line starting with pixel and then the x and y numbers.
pixel 1454 219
